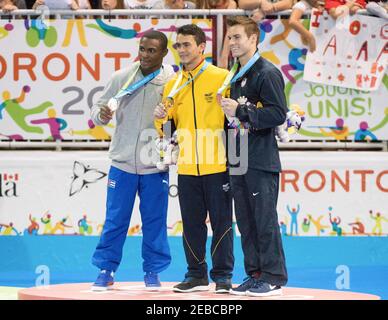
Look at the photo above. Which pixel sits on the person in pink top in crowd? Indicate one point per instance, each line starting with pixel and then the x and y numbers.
pixel 338 8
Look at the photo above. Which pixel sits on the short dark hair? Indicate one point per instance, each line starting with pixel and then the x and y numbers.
pixel 157 35
pixel 193 30
pixel 249 25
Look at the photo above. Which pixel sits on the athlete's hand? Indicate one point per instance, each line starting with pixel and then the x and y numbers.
pixel 105 114
pixel 229 106
pixel 160 111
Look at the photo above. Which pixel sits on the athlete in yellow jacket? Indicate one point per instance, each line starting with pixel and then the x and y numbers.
pixel 202 178
pixel 198 118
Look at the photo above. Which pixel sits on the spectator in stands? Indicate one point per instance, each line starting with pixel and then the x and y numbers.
pixel 95 4
pixel 216 4
pixel 174 4
pixel 10 5
pixel 262 8
pixel 266 6
pixel 201 4
pixel 139 4
pixel 7 6
pixel 222 4
pixel 338 8
pixel 60 4
pixel 298 10
pixel 112 4
pixel 29 3
pixel 20 4
pixel 379 9
pixel 83 4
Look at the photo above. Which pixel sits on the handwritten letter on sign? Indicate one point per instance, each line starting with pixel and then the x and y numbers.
pixel 351 52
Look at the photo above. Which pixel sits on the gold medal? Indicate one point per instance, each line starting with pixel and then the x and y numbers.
pixel 168 103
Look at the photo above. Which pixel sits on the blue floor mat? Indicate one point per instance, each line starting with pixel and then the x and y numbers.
pixel 362 262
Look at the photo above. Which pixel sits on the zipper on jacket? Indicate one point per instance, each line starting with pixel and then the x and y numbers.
pixel 195 125
pixel 139 133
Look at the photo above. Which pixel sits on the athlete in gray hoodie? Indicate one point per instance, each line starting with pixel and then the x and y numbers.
pixel 133 116
pixel 132 94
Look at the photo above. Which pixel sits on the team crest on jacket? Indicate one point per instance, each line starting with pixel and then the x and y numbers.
pixel 242 100
pixel 226 187
pixel 243 82
pixel 209 97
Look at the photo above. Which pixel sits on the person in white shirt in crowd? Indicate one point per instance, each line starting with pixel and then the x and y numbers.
pixel 63 4
pixel 139 4
pixel 174 4
pixel 84 4
pixel 379 9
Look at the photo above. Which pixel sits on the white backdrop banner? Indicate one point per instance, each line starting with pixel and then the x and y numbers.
pixel 321 194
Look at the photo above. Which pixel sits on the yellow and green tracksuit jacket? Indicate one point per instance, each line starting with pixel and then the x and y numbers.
pixel 199 121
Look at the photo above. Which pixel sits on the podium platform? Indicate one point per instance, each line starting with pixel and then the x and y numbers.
pixel 137 291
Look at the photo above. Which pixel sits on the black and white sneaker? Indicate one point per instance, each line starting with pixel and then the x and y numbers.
pixel 242 289
pixel 264 289
pixel 223 286
pixel 191 284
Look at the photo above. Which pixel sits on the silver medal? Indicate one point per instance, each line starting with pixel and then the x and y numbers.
pixel 113 104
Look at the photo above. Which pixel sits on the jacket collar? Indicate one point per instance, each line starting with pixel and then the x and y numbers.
pixel 165 74
pixel 250 69
pixel 194 71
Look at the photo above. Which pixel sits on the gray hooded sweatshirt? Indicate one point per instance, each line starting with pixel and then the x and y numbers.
pixel 132 148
